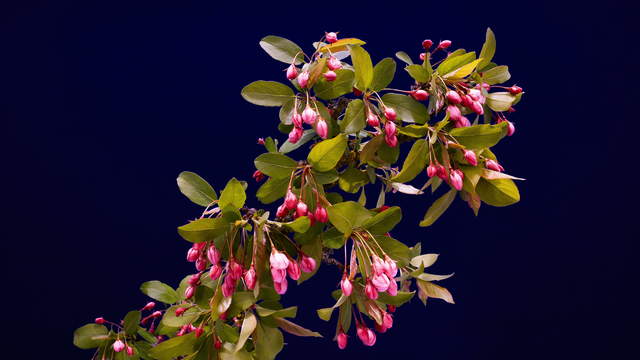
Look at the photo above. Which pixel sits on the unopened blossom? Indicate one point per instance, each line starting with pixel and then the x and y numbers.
pixel 295 134
pixel 235 269
pixel 281 286
pixel 420 95
pixel 250 278
pixel 511 129
pixel 331 37
pixel 453 97
pixel 100 321
pixel 292 72
pixel 456 179
pixel 215 271
pixel 278 260
pixel 370 290
pixel 258 175
pixel 296 119
pixel 515 90
pixel 390 113
pixel 346 286
pixel 199 331
pixel 189 292
pixel 373 120
pixel 470 156
pixel 366 335
pixel 322 129
pixel 130 351
pixel 321 214
pixel 118 346
pixel 390 128
pixel 377 264
pixel 194 279
pixel 463 122
pixel 213 254
pixel 278 274
pixel 393 288
pixel 303 79
pixel 282 211
pixel 493 165
pixel 426 44
pixel 192 255
pixel 150 305
pixel 444 44
pixel 301 209
pixel 342 340
pixel 330 75
pixel 180 311
pixel 201 264
pixel 431 170
pixel 307 264
pixel 422 56
pixel 333 63
pixel 442 172
pixel 309 115
pixel 390 267
pixel 477 108
pixel 290 200
pixel 381 282
pixel 293 270
pixel 228 286
pixel 454 112
pixel 392 141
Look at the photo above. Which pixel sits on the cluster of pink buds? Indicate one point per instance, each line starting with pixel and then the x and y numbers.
pixel 281 266
pixel 308 116
pixel 300 208
pixel 382 277
pixel 390 130
pixel 473 101
pixel 454 176
pixel 234 273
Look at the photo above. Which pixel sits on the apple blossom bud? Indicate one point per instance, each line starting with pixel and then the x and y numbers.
pixel 372 119
pixel 371 291
pixel 278 274
pixel 321 214
pixel 366 335
pixel 309 115
pixel 426 44
pixel 228 286
pixel 260 141
pixel 281 287
pixel 292 72
pixel 322 129
pixel 296 119
pixel 381 282
pixel 250 278
pixel 293 270
pixel 199 331
pixel 470 156
pixel 342 340
pixel 130 351
pixel 235 269
pixel 290 200
pixel 387 321
pixel 454 113
pixel 99 321
pixel 194 279
pixel 431 170
pixel 444 44
pixel 391 308
pixel 390 267
pixel 192 255
pixel 201 264
pixel 217 344
pixel 377 264
pixel 295 135
pixel 467 101
pixel 303 79
pixel 475 94
pixel 118 346
pixel 420 95
pixel 390 113
pixel 392 141
pixel 307 264
pixel 215 271
pixel 453 97
pixel 511 129
pixel 485 86
pixel 393 288
pixel 463 122
pixel 333 63
pixel 330 75
pixel 278 260
pixel 189 292
pixel 390 128
pixel 346 286
pixel 180 311
pixel 456 179
pixel 422 56
pixel 258 175
pixel 331 37
pixel 301 209
pixel 442 172
pixel 493 165
pixel 213 254
pixel 515 90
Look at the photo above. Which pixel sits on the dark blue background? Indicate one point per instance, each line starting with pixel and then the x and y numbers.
pixel 104 103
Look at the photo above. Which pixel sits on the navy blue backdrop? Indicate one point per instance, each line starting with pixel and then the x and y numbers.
pixel 104 103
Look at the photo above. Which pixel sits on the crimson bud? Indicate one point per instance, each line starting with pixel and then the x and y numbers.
pixel 420 95
pixel 342 340
pixel 303 79
pixel 444 44
pixel 426 44
pixel 292 72
pixel 301 209
pixel 118 346
pixel 321 214
pixel 453 97
pixel 100 321
pixel 515 90
pixel 470 156
pixel 331 37
pixel 390 113
pixel 309 115
pixel 322 129
pixel 330 75
pixel 307 264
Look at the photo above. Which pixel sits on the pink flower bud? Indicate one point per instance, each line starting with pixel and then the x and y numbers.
pixel 228 286
pixel 292 72
pixel 150 305
pixel 377 264
pixel 333 63
pixel 331 37
pixel 303 79
pixel 346 286
pixel 295 135
pixel 426 44
pixel 475 94
pixel 194 279
pixel 260 141
pixel 454 113
pixel 213 254
pixel 342 340
pixel 390 267
pixel 442 172
pixel 463 122
pixel 357 92
pixel 99 321
pixel 189 292
pixel 258 175
pixel 393 288
pixel 515 90
pixel 391 308
pixel 390 113
pixel 278 274
pixel 467 101
pixel 250 278
pixel 199 331
pixel 420 95
pixel 278 260
pixel 387 321
pixel 301 209
pixel 493 165
pixel 485 86
pixel 392 141
pixel 293 270
pixel 235 269
pixel 366 335
pixel 218 344
pixel 201 264
pixel 330 75
pixel 180 311
pixel 215 271
pixel 290 200
pixel 309 115
pixel 432 170
pixel 297 120
pixel 312 218
pixel 118 346
pixel 422 56
pixel 456 179
pixel 444 44
pixel 373 120
pixel 130 351
pixel 199 246
pixel 281 286
pixel 321 214
pixel 370 290
pixel 322 129
pixel 470 156
pixel 511 129
pixel 381 282
pixel 390 128
pixel 282 211
pixel 453 97
pixel 192 255
pixel 307 264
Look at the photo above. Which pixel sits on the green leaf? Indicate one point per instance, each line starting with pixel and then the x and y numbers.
pixel 354 118
pixel 267 93
pixel 333 238
pixel 196 188
pixel 299 225
pixel 480 136
pixel 363 67
pixel 414 163
pixel 233 194
pixel 131 321
pixel 352 179
pixel 348 215
pixel 268 342
pixel 398 300
pixel 343 84
pixel 170 319
pixel 500 101
pixel 272 190
pixel 427 290
pixel 488 49
pixel 496 75
pixel 290 312
pixel 416 131
pixel 499 192
pixel 90 336
pixel 454 62
pixel 384 221
pixel 425 260
pixel 383 74
pixel 282 49
pixel 438 208
pixel 341 45
pixel 295 329
pixel 407 108
pixel 159 291
pixel 396 250
pixel 325 313
pixel 404 57
pixel 324 178
pixel 462 71
pixel 204 229
pixel 325 155
pixel 248 326
pixel 241 301
pixel 276 165
pixel 418 73
pixel 174 347
pixel 288 147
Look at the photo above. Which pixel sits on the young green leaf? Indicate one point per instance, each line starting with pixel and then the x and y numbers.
pixel 363 67
pixel 352 179
pixel 438 208
pixel 343 84
pixel 233 194
pixel 325 155
pixel 204 229
pixel 407 108
pixel 488 49
pixel 354 118
pixel 496 75
pixel 500 101
pixel 90 336
pixel 341 45
pixel 131 321
pixel 174 347
pixel 414 163
pixel 159 291
pixel 480 136
pixel 348 215
pixel 383 74
pixel 276 165
pixel 268 342
pixel 282 49
pixel 384 221
pixel 499 192
pixel 248 327
pixel 404 57
pixel 454 62
pixel 295 329
pixel 196 188
pixel 418 73
pixel 267 93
